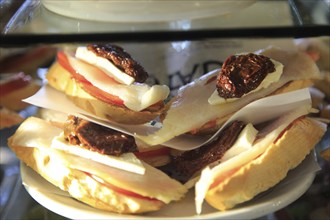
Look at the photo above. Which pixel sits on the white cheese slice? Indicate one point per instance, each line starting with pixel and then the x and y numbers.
pixel 136 96
pixel 128 161
pixel 153 184
pixel 269 79
pixel 29 133
pixel 244 142
pixel 35 132
pixel 104 64
pixel 201 188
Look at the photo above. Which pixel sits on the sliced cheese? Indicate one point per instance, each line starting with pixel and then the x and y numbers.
pixel 29 135
pixel 136 96
pixel 128 161
pixel 201 188
pixel 269 134
pixel 104 64
pixel 275 76
pixel 153 184
pixel 244 142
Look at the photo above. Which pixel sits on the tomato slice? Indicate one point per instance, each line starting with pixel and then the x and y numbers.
pixel 17 81
pixel 87 86
pixel 101 95
pixel 122 191
pixel 64 62
pixel 223 176
pixel 288 128
pixel 129 193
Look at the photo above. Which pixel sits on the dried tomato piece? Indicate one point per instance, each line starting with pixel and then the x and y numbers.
pixel 121 59
pixel 189 162
pixel 97 138
pixel 241 74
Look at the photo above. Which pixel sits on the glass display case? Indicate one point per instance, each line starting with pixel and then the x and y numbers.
pixel 34 23
pixel 176 41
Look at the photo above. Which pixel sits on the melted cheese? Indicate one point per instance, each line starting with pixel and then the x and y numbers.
pixel 269 79
pixel 104 64
pixel 136 97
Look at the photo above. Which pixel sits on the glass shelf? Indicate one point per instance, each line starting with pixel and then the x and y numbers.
pixel 34 23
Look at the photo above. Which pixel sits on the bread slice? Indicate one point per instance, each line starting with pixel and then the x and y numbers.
pixel 269 168
pixel 80 185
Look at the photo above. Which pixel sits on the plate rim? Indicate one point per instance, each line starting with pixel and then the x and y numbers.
pixel 124 11
pixel 300 183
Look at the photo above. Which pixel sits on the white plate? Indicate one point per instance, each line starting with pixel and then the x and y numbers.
pixel 143 10
pixel 284 193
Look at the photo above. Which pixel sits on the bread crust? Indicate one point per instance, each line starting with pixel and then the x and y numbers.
pixel 261 174
pixel 60 79
pixel 80 185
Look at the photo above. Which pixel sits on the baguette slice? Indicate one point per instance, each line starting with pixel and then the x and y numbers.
pixel 60 79
pixel 78 184
pixel 269 168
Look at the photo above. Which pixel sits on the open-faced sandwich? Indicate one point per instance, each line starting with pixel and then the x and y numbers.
pixel 241 155
pixel 18 80
pixel 15 87
pixel 105 80
pixel 95 164
pixel 206 103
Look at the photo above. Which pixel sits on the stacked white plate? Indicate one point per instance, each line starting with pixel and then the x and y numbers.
pixel 143 10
